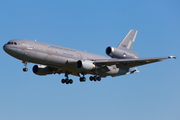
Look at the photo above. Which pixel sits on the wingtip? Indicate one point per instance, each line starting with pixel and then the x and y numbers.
pixel 172 57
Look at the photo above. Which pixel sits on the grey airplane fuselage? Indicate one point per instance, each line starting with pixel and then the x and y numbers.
pixel 54 59
pixel 56 56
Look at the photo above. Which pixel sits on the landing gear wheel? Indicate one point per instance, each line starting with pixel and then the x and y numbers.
pixel 25 69
pixel 67 81
pixel 63 81
pixel 70 81
pixel 82 79
pixel 99 78
pixel 91 78
pixel 95 78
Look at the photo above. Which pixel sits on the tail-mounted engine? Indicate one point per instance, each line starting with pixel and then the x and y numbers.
pixel 41 70
pixel 120 53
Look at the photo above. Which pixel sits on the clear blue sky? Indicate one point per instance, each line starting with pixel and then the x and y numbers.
pixel 152 94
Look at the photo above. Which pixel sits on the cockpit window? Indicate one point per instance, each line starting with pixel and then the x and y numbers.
pixel 11 43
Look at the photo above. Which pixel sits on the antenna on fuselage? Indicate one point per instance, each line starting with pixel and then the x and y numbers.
pixel 35 39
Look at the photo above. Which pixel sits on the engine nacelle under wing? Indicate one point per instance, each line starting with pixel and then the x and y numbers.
pixel 41 70
pixel 119 53
pixel 85 65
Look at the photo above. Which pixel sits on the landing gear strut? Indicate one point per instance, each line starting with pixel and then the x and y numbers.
pixel 25 64
pixel 67 80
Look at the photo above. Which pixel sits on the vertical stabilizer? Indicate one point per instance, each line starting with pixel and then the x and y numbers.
pixel 128 41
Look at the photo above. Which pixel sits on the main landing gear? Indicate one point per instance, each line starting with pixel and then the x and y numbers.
pixel 25 64
pixel 91 78
pixel 82 79
pixel 95 78
pixel 67 80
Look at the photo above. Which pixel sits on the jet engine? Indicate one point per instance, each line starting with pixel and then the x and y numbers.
pixel 41 70
pixel 120 53
pixel 85 65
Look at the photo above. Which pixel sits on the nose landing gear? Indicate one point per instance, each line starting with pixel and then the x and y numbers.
pixel 25 64
pixel 25 69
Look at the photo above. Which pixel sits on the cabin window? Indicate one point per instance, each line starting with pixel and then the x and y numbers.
pixel 15 43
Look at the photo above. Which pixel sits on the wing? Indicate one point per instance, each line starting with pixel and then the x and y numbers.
pixel 103 63
pixel 129 63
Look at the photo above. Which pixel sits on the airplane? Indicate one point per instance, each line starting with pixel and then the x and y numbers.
pixel 52 59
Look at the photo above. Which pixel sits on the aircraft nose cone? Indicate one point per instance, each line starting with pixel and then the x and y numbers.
pixel 5 48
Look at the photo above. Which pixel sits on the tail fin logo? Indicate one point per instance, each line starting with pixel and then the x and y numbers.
pixel 124 54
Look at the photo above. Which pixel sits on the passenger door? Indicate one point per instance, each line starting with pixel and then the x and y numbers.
pixel 24 46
